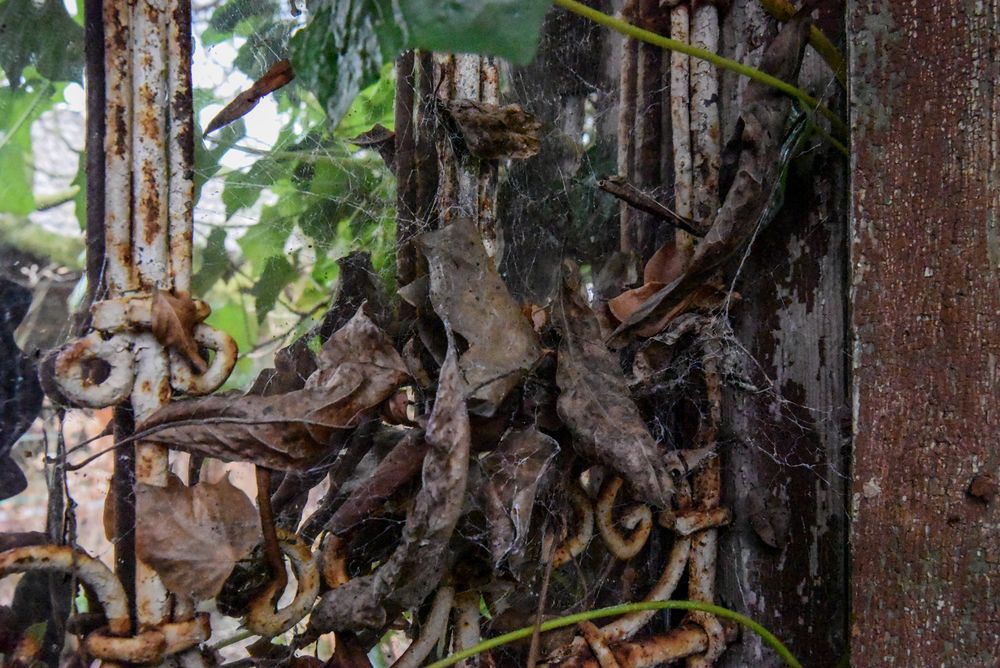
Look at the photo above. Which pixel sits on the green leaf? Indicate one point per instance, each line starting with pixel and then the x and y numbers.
pixel 343 49
pixel 215 263
pixel 43 35
pixel 266 239
pixel 242 189
pixel 18 110
pixel 278 272
pixel 506 28
pixel 346 43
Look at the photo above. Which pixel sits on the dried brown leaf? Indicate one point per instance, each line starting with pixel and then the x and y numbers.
pixel 415 568
pixel 278 75
pixel 493 132
pixel 358 369
pixel 624 305
pixel 594 402
pixel 514 471
pixel 193 536
pixel 174 318
pixel 665 265
pixel 471 299
pixel 383 140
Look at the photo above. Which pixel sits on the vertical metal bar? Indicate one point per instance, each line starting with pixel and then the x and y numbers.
pixel 705 130
pixel 180 200
pixel 93 22
pixel 680 122
pixel 149 141
pixel 406 172
pixel 118 147
pixel 626 127
pixel 150 255
pixel 467 73
pixel 489 92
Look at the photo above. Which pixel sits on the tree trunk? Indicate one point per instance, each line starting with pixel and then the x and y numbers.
pixel 926 318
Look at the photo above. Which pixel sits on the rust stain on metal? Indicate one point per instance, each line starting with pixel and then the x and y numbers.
pixel 926 299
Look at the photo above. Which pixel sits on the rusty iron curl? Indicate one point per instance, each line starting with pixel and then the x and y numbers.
pixel 638 520
pixel 116 323
pixel 262 618
pixel 113 642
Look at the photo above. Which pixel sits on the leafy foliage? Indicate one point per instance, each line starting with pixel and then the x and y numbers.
pixel 346 43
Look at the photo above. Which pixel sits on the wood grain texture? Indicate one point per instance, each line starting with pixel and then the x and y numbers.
pixel 926 317
pixel 784 449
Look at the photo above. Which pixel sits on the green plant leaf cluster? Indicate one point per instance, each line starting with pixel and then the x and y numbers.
pixel 347 42
pixel 42 34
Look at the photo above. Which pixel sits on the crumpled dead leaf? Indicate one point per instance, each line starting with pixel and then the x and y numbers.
pixel 494 132
pixel 763 117
pixel 383 140
pixel 278 75
pixel 357 369
pixel 594 401
pixel 193 536
pixel 471 299
pixel 174 318
pixel 513 473
pixel 415 568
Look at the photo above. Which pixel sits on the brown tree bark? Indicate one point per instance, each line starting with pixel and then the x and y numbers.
pixel 926 318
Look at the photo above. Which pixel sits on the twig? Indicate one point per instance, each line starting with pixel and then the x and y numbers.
pixel 626 192
pixel 534 647
pixel 272 551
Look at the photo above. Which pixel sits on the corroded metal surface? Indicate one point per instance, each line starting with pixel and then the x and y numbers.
pixel 925 257
pixel 63 559
pixel 118 271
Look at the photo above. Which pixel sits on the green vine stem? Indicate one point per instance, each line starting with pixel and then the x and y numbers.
pixel 570 620
pixel 753 73
pixel 783 10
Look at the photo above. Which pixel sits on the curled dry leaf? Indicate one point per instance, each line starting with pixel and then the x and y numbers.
pixel 194 544
pixel 383 140
pixel 357 369
pixel 594 402
pixel 514 471
pixel 763 117
pixel 415 568
pixel 494 132
pixel 471 299
pixel 174 318
pixel 279 74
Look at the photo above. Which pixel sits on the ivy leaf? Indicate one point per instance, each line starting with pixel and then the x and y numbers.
pixel 506 28
pixel 267 238
pixel 346 43
pixel 214 262
pixel 343 48
pixel 39 34
pixel 278 273
pixel 18 110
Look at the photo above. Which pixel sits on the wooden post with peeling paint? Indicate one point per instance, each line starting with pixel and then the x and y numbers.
pixel 925 291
